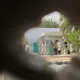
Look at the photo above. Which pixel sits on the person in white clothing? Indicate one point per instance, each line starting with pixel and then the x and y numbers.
pixel 59 47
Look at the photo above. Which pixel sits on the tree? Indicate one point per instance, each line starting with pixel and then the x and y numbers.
pixel 74 38
pixel 49 24
pixel 65 26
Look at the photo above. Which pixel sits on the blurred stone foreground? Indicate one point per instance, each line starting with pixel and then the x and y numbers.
pixel 8 76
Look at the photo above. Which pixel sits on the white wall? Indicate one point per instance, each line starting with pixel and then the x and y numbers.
pixel 34 34
pixel 53 38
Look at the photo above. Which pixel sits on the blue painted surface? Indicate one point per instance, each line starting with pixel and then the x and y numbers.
pixel 35 47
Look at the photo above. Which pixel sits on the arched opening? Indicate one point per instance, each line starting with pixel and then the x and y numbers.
pixel 54 26
pixel 15 14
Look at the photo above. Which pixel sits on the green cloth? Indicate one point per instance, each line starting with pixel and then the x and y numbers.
pixel 54 49
pixel 50 50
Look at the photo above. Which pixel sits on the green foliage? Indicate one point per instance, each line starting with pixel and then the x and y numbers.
pixel 74 37
pixel 49 24
pixel 66 27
